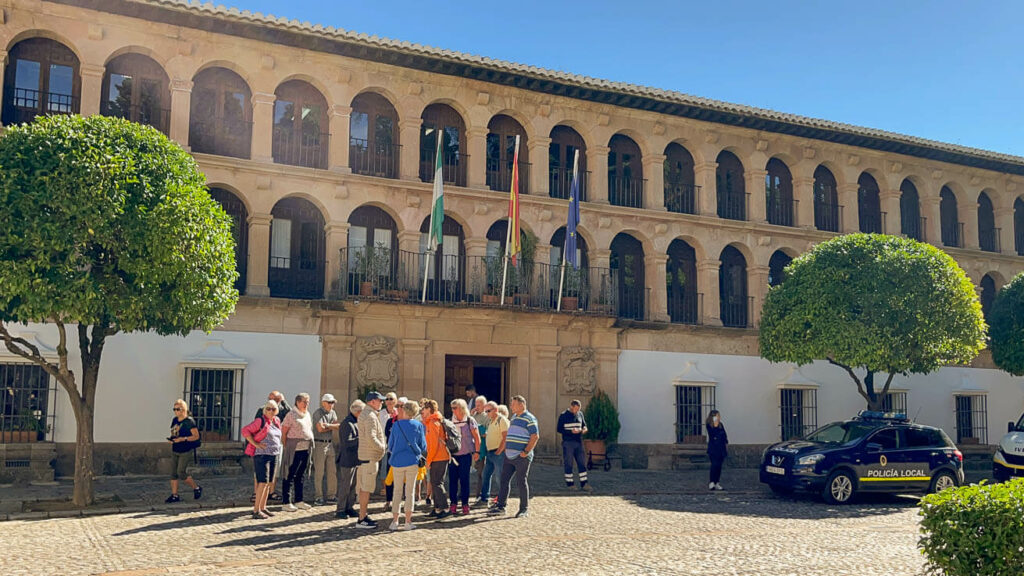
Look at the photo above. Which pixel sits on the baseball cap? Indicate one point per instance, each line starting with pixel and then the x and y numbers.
pixel 374 395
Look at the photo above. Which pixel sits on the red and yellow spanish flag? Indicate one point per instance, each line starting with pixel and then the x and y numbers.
pixel 512 247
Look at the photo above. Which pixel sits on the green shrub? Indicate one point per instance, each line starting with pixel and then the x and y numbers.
pixel 602 418
pixel 974 530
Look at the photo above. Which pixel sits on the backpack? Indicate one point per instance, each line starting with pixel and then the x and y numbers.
pixel 452 436
pixel 199 442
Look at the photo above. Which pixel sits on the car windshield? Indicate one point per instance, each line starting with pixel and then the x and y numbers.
pixel 840 432
pixel 1020 425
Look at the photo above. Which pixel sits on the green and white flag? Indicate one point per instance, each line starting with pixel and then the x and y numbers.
pixel 437 204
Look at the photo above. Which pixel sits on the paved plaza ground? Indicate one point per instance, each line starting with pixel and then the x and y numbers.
pixel 636 522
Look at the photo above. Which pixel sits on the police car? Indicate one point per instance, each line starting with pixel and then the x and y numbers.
pixel 874 452
pixel 1008 461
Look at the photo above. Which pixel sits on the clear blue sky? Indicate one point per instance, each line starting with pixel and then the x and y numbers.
pixel 946 70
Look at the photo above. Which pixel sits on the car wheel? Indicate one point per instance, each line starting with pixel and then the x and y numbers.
pixel 942 481
pixel 780 490
pixel 840 488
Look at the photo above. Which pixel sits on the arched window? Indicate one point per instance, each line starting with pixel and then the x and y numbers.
pixel 297 250
pixel 501 149
pixel 221 116
pixel 136 88
pixel 911 223
pixel 565 143
pixel 778 189
pixel 826 200
pixel 732 288
pixel 447 266
pixel 444 120
pixel 988 234
pixel 41 77
pixel 869 205
pixel 681 283
pixel 949 218
pixel 373 148
pixel 1018 226
pixel 239 231
pixel 777 266
pixel 577 281
pixel 625 173
pixel 300 125
pixel 988 293
pixel 374 265
pixel 731 191
pixel 627 264
pixel 680 191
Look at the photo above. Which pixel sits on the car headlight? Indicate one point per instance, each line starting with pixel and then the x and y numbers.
pixel 810 460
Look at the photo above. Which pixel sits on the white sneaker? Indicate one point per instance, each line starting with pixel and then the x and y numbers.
pixel 394 525
pixel 409 527
pixel 711 486
pixel 303 506
pixel 289 508
pixel 718 487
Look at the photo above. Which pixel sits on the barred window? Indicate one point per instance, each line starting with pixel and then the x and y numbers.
pixel 798 411
pixel 27 404
pixel 693 404
pixel 971 418
pixel 214 397
pixel 895 402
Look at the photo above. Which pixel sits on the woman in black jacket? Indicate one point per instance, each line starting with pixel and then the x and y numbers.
pixel 717 442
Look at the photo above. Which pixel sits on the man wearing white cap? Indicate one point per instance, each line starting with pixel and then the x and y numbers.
pixel 325 422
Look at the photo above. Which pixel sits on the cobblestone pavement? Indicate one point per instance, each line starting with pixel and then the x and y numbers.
pixel 636 532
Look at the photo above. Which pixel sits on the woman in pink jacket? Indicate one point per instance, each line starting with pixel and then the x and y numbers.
pixel 263 437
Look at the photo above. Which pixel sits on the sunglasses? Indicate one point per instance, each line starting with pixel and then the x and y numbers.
pixel 179 409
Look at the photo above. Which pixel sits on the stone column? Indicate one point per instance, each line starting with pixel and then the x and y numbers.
pixel 597 163
pixel 803 193
pixel 337 159
pixel 1004 221
pixel 968 213
pixel 409 240
pixel 409 138
pixel 476 147
pixel 336 369
pixel 757 286
pixel 931 211
pixel 413 368
pixel 890 201
pixel 258 267
pixel 337 238
pixel 654 280
pixel 181 110
pixel 600 258
pixel 757 206
pixel 704 177
pixel 707 284
pixel 262 127
pixel 92 84
pixel 544 376
pixel 475 247
pixel 850 215
pixel 539 166
pixel 654 188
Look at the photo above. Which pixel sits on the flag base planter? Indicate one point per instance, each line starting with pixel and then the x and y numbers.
pixel 17 437
pixel 366 289
pixel 570 303
pixel 397 294
pixel 490 299
pixel 521 299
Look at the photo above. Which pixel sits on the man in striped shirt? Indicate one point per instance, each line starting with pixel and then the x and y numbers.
pixel 517 444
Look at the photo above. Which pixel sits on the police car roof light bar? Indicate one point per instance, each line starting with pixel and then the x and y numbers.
pixel 879 415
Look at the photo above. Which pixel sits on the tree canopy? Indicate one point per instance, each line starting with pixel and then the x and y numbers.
pixel 875 302
pixel 1006 327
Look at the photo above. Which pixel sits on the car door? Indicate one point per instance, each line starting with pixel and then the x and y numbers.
pixel 928 452
pixel 882 461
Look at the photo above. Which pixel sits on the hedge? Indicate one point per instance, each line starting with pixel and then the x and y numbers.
pixel 975 530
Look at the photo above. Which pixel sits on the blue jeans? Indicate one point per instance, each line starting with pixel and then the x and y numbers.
pixel 458 479
pixel 492 466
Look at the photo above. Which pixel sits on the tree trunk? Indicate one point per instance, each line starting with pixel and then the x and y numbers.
pixel 83 494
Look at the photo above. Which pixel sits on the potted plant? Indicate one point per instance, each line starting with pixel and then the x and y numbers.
pixel 604 297
pixel 398 292
pixel 520 275
pixel 571 289
pixel 602 424
pixel 493 271
pixel 371 263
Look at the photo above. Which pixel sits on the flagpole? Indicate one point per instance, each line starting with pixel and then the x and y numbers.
pixel 426 263
pixel 565 240
pixel 430 232
pixel 508 231
pixel 561 280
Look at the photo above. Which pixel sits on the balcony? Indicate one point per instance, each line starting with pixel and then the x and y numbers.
pixel 453 166
pixel 872 223
pixel 499 176
pixel 685 307
pixel 373 159
pixel 737 313
pixel 301 149
pixel 627 192
pixel 221 136
pixel 369 273
pixel 734 206
pixel 914 228
pixel 560 183
pixel 828 217
pixel 989 240
pixel 780 211
pixel 682 198
pixel 23 105
pixel 953 234
pixel 159 118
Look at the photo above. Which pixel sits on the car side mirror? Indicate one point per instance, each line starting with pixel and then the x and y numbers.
pixel 1010 427
pixel 874 447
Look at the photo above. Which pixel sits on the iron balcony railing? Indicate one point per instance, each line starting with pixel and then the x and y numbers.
pixel 499 176
pixel 872 222
pixel 780 211
pixel 627 192
pixel 301 278
pixel 159 118
pixel 453 166
pixel 989 240
pixel 301 149
pixel 733 206
pixel 685 307
pixel 560 183
pixel 373 159
pixel 23 105
pixel 738 312
pixel 953 235
pixel 381 273
pixel 914 228
pixel 1018 240
pixel 828 217
pixel 221 136
pixel 634 303
pixel 682 198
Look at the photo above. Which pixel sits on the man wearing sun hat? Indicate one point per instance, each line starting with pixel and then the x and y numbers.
pixel 325 423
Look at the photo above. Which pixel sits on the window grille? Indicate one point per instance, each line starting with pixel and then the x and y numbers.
pixel 798 410
pixel 27 405
pixel 895 402
pixel 971 418
pixel 693 404
pixel 214 397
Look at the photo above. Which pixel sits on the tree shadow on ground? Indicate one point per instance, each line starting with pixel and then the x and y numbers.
pixel 799 506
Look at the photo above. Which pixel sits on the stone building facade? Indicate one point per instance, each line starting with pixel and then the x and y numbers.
pixel 321 144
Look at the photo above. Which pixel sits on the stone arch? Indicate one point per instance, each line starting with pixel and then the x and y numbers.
pixel 627 262
pixel 734 286
pixel 776 263
pixel 234 190
pixel 49 35
pixel 313 81
pixel 911 225
pixel 298 244
pixel 231 65
pixel 625 171
pixel 525 121
pixel 380 91
pixel 826 199
pixel 698 247
pixel 988 238
pixel 869 202
pixel 988 287
pixel 236 207
pixel 779 205
pixel 152 54
pixel 730 186
pixel 312 199
pixel 564 138
pixel 949 217
pixel 682 282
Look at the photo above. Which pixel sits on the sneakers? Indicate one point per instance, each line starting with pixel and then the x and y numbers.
pixel 266 513
pixel 454 509
pixel 394 525
pixel 443 514
pixel 409 527
pixel 718 486
pixel 343 515
pixel 289 508
pixel 480 502
pixel 569 485
pixel 318 502
pixel 587 488
pixel 427 502
pixel 274 496
pixel 303 506
pixel 172 499
pixel 711 486
pixel 433 514
pixel 465 510
pixel 198 492
pixel 496 511
pixel 366 524
pixel 352 513
pixel 523 514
